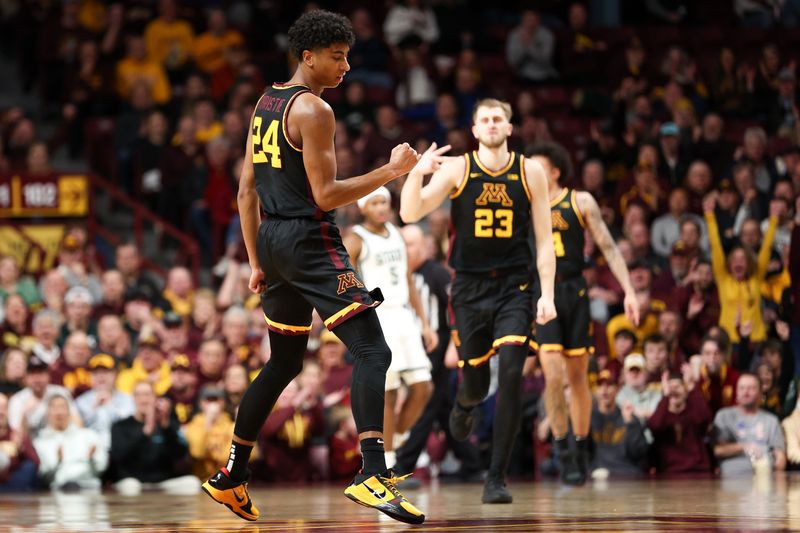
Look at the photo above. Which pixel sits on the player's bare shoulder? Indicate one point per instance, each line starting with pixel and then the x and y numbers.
pixel 453 169
pixel 587 205
pixel 309 113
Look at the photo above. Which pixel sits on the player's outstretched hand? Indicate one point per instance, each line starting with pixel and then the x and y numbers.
pixel 545 310
pixel 257 281
pixel 432 159
pixel 403 159
pixel 631 305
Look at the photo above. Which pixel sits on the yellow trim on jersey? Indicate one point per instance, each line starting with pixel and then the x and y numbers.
pixel 292 86
pixel 342 312
pixel 464 180
pixel 533 345
pixel 574 201
pixel 554 202
pixel 497 173
pixel 576 352
pixel 524 180
pixel 285 119
pixel 509 339
pixel 287 327
pixel 477 361
pixel 551 347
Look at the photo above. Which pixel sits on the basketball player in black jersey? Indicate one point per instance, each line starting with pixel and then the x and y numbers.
pixel 299 262
pixel 496 196
pixel 564 344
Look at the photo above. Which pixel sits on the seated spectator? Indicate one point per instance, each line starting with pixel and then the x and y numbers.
pixel 235 383
pixel 619 444
pixel 114 340
pixel 148 448
pixel 635 391
pixel 288 434
pixel 136 68
pixel 369 55
pixel 649 309
pixel 179 291
pixel 771 400
pixel 747 439
pixel 71 457
pixel 665 230
pixel 211 361
pixel 113 302
pixel 18 459
pixel 656 359
pixel 698 302
pixel 738 276
pixel 210 49
pixel 336 373
pixel 175 335
pixel 670 325
pixel 139 314
pixel 129 263
pixel 103 405
pixel 12 371
pixel 680 426
pixel 149 365
pixel 78 315
pixel 205 320
pixel 70 370
pixel 530 47
pixel 16 328
pixel 73 263
pixel 27 409
pixel 209 433
pixel 183 392
pixel 345 455
pixel 11 282
pixel 714 375
pixel 238 347
pixel 46 326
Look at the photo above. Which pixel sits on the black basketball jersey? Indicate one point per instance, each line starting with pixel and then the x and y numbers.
pixel 281 182
pixel 490 218
pixel 568 236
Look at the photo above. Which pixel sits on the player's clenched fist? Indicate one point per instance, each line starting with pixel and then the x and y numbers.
pixel 403 158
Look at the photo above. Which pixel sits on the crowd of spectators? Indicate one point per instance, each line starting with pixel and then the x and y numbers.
pixel 689 143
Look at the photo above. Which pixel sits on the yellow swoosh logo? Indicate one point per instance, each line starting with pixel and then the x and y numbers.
pixel 523 286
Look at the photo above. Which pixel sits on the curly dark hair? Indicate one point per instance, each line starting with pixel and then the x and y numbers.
pixel 556 154
pixel 319 29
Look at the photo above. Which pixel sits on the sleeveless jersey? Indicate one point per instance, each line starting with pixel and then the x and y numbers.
pixel 280 176
pixel 568 234
pixel 490 218
pixel 383 263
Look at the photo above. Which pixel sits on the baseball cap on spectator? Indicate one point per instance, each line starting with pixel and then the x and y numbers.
pixel 172 320
pixel 102 361
pixel 726 185
pixel 212 392
pixel 669 129
pixel 78 293
pixel 37 365
pixel 70 243
pixel 149 341
pixel 680 249
pixel 181 362
pixel 786 74
pixel 328 336
pixel 607 375
pixel 634 360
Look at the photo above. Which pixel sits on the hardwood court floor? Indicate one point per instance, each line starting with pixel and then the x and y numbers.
pixel 678 505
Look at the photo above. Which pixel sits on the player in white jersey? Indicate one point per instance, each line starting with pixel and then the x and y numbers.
pixel 378 251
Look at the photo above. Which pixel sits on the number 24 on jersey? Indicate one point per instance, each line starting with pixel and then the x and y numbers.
pixel 265 148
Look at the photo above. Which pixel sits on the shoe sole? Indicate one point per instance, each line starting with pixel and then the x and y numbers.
pixel 458 435
pixel 249 518
pixel 400 518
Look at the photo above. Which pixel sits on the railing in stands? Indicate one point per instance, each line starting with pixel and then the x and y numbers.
pixel 188 248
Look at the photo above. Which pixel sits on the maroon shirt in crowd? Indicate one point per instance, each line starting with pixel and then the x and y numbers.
pixel 680 445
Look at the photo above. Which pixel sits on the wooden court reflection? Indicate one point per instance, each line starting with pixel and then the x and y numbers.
pixel 648 505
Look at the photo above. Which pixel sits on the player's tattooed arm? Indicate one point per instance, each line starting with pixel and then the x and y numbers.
pixel 605 242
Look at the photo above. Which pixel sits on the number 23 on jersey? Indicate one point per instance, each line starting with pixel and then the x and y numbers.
pixel 265 148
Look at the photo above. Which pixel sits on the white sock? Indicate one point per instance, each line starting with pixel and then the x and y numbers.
pixel 391 459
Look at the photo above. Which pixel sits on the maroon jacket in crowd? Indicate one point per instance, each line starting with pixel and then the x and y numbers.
pixel 24 451
pixel 680 445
